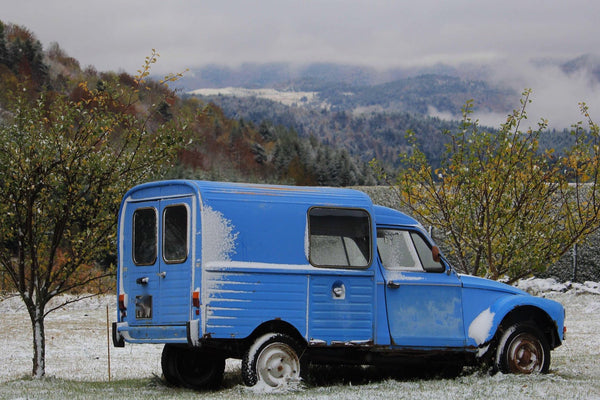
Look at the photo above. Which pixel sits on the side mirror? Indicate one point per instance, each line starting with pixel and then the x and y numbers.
pixel 435 253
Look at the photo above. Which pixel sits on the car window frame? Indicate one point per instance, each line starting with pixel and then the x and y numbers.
pixel 414 248
pixel 369 238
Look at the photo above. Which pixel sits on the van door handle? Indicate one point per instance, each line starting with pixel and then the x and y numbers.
pixel 393 285
pixel 162 274
pixel 142 281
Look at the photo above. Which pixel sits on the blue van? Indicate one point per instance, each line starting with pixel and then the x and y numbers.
pixel 283 276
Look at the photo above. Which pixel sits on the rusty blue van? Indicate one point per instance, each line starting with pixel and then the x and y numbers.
pixel 284 276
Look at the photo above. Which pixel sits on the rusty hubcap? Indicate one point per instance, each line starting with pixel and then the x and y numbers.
pixel 525 354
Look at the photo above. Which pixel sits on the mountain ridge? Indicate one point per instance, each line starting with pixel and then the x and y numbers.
pixel 440 88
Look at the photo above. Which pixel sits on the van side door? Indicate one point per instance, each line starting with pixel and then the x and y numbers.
pixel 423 301
pixel 342 286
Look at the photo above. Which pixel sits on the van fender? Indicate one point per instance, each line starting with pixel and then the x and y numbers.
pixel 508 310
pixel 192 329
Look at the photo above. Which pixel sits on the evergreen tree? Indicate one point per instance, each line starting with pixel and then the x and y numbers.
pixel 3 49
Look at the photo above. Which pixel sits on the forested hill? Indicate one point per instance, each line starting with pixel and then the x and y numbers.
pixel 360 109
pixel 421 95
pixel 218 147
pixel 348 87
pixel 349 116
pixel 380 135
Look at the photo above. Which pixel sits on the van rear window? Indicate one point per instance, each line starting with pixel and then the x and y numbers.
pixel 175 246
pixel 144 236
pixel 339 237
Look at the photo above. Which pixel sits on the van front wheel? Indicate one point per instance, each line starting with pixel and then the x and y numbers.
pixel 523 349
pixel 274 359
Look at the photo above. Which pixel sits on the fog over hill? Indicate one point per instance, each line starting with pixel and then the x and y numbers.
pixel 558 85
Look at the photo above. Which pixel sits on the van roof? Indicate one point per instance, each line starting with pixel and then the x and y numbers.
pixel 219 191
pixel 211 192
pixel 389 216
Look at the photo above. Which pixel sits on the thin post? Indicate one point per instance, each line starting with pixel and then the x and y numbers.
pixel 575 262
pixel 108 341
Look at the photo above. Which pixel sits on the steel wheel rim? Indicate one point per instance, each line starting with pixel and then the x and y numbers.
pixel 277 364
pixel 525 354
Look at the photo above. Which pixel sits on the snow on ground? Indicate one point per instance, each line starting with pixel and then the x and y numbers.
pixel 76 343
pixel 286 97
pixel 538 286
pixel 77 348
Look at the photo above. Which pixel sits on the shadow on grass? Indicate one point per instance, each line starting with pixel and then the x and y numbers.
pixel 331 375
pixel 342 375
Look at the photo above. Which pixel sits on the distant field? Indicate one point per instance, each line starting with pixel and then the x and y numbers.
pixel 286 97
pixel 77 363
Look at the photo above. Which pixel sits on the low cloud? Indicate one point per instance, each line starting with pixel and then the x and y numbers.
pixel 555 94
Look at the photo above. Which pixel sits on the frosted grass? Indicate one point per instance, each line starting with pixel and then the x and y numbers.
pixel 76 363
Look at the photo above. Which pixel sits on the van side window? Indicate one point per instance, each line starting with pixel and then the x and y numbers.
pixel 339 237
pixel 405 251
pixel 175 236
pixel 397 251
pixel 425 254
pixel 144 236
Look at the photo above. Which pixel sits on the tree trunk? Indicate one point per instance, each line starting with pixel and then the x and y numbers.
pixel 39 342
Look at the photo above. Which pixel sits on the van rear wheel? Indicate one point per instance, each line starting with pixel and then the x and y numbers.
pixel 191 367
pixel 275 359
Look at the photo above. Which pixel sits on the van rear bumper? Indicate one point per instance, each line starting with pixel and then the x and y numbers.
pixel 122 332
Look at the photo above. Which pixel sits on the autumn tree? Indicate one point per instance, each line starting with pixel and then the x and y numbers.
pixel 66 161
pixel 22 53
pixel 505 206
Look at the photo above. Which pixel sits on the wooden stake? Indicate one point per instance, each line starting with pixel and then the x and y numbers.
pixel 108 341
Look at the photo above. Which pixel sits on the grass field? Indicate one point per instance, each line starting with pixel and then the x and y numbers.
pixel 77 366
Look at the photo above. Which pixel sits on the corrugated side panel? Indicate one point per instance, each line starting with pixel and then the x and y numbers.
pixel 238 302
pixel 344 318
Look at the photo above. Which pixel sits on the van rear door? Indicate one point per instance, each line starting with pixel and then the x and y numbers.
pixel 157 268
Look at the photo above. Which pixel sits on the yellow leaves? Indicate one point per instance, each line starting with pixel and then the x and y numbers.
pixel 173 77
pixel 71 157
pixel 144 72
pixel 506 206
pixel 584 109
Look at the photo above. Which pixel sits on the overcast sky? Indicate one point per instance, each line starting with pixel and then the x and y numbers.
pixel 119 34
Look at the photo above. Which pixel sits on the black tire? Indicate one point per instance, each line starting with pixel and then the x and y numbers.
pixel 168 364
pixel 522 349
pixel 275 359
pixel 191 367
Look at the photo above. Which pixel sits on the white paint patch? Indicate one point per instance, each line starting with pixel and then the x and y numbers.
pixel 400 276
pixel 218 237
pixel 306 241
pixel 480 328
pixel 218 244
pixel 226 265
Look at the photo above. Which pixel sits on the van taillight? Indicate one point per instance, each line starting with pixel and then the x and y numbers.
pixel 122 302
pixel 196 298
